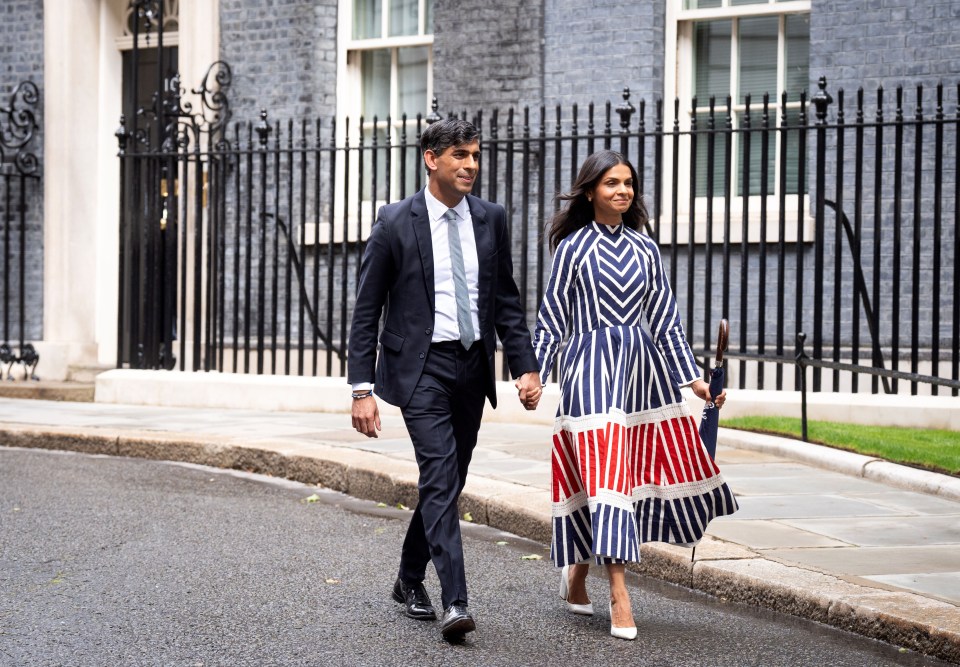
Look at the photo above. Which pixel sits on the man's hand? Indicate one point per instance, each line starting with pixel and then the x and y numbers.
pixel 702 390
pixel 530 389
pixel 366 416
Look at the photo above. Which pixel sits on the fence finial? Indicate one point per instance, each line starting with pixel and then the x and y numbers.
pixel 263 128
pixel 821 99
pixel 122 134
pixel 434 115
pixel 626 110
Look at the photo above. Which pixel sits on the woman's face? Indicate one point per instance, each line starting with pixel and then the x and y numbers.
pixel 612 195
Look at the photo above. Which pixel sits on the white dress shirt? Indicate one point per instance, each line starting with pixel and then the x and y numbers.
pixel 445 300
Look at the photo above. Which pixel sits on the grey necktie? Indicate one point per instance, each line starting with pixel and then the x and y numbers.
pixel 464 320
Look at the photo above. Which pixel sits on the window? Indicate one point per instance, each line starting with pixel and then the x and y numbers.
pixel 145 22
pixel 385 73
pixel 738 48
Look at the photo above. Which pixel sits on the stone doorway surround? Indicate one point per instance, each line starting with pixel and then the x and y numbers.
pixel 82 106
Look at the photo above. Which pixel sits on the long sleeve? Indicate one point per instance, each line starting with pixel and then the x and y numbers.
pixel 376 273
pixel 510 318
pixel 663 317
pixel 555 310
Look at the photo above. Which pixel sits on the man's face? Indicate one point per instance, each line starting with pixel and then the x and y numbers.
pixel 453 171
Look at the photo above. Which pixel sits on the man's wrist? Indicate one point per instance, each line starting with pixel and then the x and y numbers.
pixel 361 390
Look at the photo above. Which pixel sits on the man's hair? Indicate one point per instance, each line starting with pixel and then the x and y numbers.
pixel 446 133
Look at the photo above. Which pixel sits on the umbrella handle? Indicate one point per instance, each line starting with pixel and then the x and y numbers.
pixel 723 336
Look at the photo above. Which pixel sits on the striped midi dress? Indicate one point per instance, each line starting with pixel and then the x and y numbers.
pixel 628 465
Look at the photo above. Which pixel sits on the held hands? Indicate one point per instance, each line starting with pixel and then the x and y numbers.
pixel 702 390
pixel 530 390
pixel 366 416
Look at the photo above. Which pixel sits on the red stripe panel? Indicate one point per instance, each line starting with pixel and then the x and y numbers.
pixel 621 458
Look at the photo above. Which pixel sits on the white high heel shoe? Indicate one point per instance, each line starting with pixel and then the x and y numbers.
pixel 582 609
pixel 621 633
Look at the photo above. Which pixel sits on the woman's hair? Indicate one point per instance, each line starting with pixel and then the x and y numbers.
pixel 579 212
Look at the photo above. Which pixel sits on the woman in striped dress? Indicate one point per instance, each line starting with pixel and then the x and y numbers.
pixel 628 464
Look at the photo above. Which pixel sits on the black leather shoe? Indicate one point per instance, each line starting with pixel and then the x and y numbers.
pixel 416 601
pixel 457 622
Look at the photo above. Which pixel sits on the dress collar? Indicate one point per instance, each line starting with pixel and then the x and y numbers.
pixel 607 229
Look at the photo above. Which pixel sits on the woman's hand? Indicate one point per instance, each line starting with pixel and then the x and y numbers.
pixel 529 390
pixel 702 390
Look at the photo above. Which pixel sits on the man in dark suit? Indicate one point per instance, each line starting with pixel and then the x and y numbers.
pixel 438 267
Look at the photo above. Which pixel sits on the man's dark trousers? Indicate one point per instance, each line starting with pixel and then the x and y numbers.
pixel 443 418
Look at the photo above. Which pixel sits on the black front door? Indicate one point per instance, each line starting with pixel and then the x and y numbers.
pixel 149 225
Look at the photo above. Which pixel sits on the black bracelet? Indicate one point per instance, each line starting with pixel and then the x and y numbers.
pixel 359 395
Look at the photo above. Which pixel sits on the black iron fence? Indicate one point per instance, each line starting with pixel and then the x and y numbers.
pixel 20 233
pixel 785 215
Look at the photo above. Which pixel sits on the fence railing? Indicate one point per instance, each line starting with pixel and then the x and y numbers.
pixel 785 215
pixel 19 174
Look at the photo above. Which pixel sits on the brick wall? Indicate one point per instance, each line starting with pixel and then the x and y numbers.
pixel 21 59
pixel 284 57
pixel 487 55
pixel 884 42
pixel 592 50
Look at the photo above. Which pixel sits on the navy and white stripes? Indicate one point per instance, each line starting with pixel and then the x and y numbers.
pixel 628 464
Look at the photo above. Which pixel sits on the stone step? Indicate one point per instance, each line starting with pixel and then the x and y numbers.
pixel 47 390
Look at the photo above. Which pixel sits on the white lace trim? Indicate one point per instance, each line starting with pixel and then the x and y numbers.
pixel 616 416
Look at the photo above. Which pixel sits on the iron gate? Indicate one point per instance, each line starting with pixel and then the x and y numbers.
pixel 20 236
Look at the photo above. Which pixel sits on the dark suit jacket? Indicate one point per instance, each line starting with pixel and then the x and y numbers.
pixel 396 276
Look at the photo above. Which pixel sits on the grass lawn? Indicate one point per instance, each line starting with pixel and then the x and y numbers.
pixel 930 449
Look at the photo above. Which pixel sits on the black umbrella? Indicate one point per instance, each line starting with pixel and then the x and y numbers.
pixel 711 413
pixel 709 421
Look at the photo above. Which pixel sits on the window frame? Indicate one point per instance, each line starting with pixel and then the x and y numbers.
pixel 349 104
pixel 170 16
pixel 679 83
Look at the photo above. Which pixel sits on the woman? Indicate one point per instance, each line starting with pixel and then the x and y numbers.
pixel 628 464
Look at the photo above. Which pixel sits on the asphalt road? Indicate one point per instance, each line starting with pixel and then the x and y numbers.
pixel 108 561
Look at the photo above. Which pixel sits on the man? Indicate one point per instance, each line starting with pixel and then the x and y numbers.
pixel 437 266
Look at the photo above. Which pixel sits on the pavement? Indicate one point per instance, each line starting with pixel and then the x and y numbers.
pixel 846 540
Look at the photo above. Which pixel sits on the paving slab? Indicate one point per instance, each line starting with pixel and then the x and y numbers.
pixel 907 502
pixel 798 506
pixel 729 456
pixel 886 531
pixel 779 481
pixel 874 561
pixel 942 585
pixel 765 534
